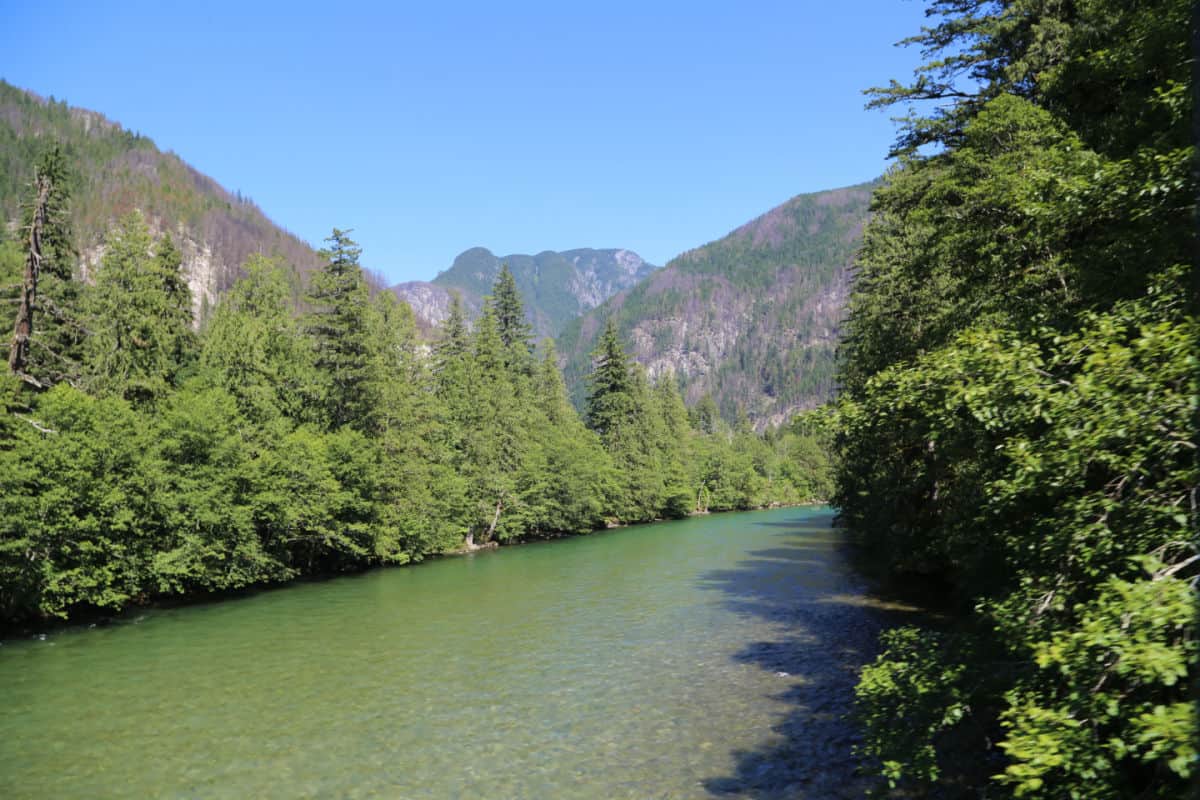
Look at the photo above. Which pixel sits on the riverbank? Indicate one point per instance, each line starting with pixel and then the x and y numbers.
pixel 93 617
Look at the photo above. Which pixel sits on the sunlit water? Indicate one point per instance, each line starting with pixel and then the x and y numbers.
pixel 700 658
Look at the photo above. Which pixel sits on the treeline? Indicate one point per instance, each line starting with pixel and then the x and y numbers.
pixel 140 458
pixel 1019 413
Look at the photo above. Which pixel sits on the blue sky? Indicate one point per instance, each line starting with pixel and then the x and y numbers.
pixel 430 128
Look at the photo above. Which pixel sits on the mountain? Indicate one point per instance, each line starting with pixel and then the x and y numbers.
pixel 557 286
pixel 751 319
pixel 119 171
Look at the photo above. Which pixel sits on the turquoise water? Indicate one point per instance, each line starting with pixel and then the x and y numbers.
pixel 699 658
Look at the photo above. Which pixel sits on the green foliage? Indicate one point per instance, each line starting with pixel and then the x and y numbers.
pixel 276 443
pixel 514 331
pixel 139 315
pixel 53 351
pixel 75 509
pixel 915 683
pixel 254 349
pixel 1019 412
pixel 340 326
pixel 1109 698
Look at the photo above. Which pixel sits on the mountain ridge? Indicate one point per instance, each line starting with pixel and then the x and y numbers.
pixel 557 286
pixel 117 171
pixel 751 318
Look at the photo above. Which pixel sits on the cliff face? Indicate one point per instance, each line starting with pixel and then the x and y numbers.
pixel 556 286
pixel 430 303
pixel 751 319
pixel 118 171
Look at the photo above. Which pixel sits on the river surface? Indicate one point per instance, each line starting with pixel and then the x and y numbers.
pixel 710 657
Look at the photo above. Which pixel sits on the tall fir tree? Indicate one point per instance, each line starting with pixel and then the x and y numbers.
pixel 177 308
pixel 497 443
pixel 515 331
pixel 340 326
pixel 609 402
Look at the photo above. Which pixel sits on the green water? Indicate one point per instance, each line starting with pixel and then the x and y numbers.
pixel 644 662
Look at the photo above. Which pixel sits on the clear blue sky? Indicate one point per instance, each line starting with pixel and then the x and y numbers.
pixel 433 127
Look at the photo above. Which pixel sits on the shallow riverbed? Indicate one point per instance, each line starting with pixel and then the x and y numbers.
pixel 710 657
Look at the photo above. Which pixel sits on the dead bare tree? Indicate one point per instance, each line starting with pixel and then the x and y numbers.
pixel 18 353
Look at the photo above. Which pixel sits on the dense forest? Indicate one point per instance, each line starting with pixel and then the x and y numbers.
pixel 142 458
pixel 1019 405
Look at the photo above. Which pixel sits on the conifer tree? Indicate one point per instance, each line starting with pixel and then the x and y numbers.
pixel 621 411
pixel 139 316
pixel 551 389
pixel 609 402
pixel 177 306
pixel 515 331
pixel 255 349
pixel 497 442
pixel 567 475
pixel 674 446
pixel 48 333
pixel 340 327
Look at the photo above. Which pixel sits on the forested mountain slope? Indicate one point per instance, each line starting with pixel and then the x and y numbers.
pixel 751 319
pixel 117 171
pixel 558 286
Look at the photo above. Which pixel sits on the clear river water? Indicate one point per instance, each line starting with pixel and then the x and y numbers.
pixel 709 657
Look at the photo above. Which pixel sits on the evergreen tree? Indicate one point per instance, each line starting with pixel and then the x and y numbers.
pixel 340 326
pixel 1018 415
pixel 705 416
pixel 140 316
pixel 674 447
pixel 177 306
pixel 453 339
pixel 48 334
pixel 622 412
pixel 570 475
pixel 609 402
pixel 515 332
pixel 497 441
pixel 255 349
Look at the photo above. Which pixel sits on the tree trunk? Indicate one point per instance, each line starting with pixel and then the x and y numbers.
pixel 495 520
pixel 18 353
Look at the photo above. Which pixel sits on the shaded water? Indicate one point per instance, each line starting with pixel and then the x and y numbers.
pixel 700 658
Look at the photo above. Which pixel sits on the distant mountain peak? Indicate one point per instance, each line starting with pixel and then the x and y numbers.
pixel 556 286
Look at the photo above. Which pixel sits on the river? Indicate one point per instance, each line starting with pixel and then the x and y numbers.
pixel 709 657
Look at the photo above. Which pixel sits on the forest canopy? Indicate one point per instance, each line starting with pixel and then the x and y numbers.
pixel 141 457
pixel 1019 404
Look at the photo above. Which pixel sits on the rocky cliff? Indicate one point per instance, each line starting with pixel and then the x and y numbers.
pixel 751 319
